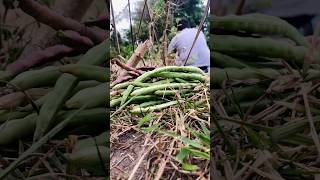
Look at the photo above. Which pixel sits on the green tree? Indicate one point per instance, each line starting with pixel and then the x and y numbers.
pixel 190 9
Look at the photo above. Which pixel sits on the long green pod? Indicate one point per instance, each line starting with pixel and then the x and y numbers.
pixel 291 128
pixel 258 24
pixel 7 115
pixel 19 128
pixel 257 107
pixel 186 76
pixel 64 86
pixel 150 103
pixel 219 75
pixel 121 85
pixel 171 92
pixel 137 110
pixel 16 129
pixel 222 60
pixel 37 78
pixel 90 159
pixel 100 140
pixel 265 47
pixel 151 89
pixel 246 93
pixel 95 56
pixel 86 72
pixel 136 99
pixel 81 85
pixel 149 74
pixel 94 116
pixel 93 97
pixel 140 84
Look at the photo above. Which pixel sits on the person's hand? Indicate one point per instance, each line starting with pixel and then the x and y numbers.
pixel 314 41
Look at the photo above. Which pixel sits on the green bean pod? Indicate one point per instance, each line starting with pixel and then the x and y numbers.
pixel 172 92
pixel 154 88
pixel 64 86
pixel 92 97
pixel 224 61
pixel 89 159
pixel 149 74
pixel 16 129
pixel 95 56
pixel 259 24
pixel 137 110
pixel 136 99
pixel 86 72
pixel 7 115
pixel 220 75
pixel 186 76
pixel 37 78
pixel 150 103
pixel 265 47
pixel 100 140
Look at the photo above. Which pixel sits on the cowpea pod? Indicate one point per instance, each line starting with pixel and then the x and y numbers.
pixel 37 78
pixel 172 92
pixel 92 97
pixel 149 74
pixel 81 85
pixel 64 86
pixel 89 159
pixel 86 72
pixel 222 60
pixel 100 140
pixel 19 128
pixel 150 103
pixel 121 85
pixel 219 75
pixel 180 80
pixel 7 115
pixel 259 24
pixel 95 56
pixel 154 88
pixel 290 129
pixel 87 116
pixel 136 99
pixel 16 129
pixel 265 47
pixel 246 93
pixel 188 76
pixel 138 110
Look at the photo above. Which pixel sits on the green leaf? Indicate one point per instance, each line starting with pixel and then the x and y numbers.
pixel 144 120
pixel 204 138
pixel 151 128
pixel 185 140
pixel 189 167
pixel 184 152
pixel 200 154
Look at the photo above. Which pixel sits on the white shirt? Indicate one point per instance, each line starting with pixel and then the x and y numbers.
pixel 182 42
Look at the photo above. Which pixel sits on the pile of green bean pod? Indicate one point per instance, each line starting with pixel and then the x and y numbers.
pixel 158 89
pixel 265 37
pixel 63 90
pixel 256 48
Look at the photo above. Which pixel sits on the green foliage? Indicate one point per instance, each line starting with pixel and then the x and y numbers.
pixel 190 9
